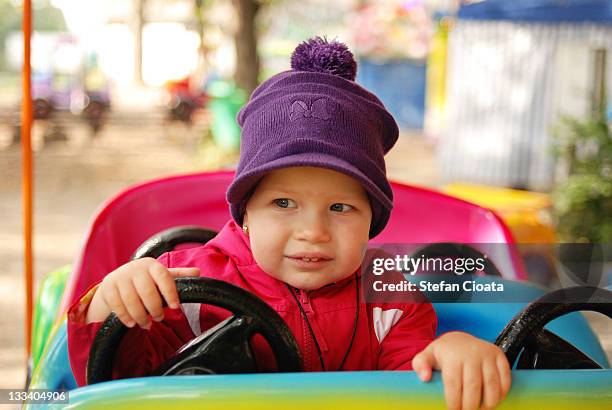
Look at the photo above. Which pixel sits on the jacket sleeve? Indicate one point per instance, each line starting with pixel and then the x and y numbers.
pixel 414 330
pixel 139 353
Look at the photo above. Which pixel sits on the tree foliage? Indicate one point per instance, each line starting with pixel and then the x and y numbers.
pixel 583 202
pixel 45 16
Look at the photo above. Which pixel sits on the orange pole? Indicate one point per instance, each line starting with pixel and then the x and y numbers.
pixel 27 165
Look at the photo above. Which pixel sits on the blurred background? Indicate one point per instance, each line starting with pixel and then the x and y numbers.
pixel 503 103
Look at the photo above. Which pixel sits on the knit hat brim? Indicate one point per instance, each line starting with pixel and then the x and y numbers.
pixel 242 188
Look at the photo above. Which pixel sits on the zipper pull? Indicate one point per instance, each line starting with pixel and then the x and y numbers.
pixel 305 300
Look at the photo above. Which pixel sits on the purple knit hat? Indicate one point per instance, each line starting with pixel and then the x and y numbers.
pixel 316 115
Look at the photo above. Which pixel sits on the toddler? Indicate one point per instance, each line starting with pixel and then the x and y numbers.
pixel 309 192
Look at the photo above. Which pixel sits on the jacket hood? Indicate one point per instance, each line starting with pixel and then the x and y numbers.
pixel 234 243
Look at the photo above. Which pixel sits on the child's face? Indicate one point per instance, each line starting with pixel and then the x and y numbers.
pixel 303 213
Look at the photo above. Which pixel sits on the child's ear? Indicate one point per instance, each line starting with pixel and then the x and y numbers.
pixel 245 225
pixel 245 218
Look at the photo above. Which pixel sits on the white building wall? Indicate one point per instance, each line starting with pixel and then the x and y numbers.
pixel 508 85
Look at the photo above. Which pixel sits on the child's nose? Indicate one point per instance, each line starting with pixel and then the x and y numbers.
pixel 313 228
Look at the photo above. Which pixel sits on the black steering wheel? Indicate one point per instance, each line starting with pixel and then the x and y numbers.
pixel 457 250
pixel 225 348
pixel 542 349
pixel 167 240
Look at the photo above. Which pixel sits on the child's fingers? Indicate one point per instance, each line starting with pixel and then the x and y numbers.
pixel 505 375
pixel 111 297
pixel 472 385
pixel 165 282
pixel 451 376
pixel 184 271
pixel 149 295
pixel 134 305
pixel 491 389
pixel 423 363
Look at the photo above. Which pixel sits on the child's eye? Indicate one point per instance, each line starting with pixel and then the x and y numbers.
pixel 341 207
pixel 284 203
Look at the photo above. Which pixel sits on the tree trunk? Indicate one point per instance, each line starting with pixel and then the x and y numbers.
pixel 599 101
pixel 247 59
pixel 202 66
pixel 138 21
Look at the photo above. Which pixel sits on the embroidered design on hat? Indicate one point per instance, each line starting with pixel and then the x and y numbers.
pixel 300 109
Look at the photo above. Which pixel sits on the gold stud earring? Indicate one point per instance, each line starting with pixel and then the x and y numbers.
pixel 245 229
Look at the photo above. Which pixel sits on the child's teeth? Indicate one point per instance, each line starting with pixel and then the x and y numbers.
pixel 310 259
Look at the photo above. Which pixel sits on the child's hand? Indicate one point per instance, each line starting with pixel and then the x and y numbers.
pixel 475 373
pixel 133 291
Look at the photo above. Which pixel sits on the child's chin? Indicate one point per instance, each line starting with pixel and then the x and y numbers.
pixel 306 284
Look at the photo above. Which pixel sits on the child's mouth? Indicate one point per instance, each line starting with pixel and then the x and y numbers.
pixel 308 262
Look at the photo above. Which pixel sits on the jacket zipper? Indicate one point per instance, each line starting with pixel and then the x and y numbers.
pixel 306 337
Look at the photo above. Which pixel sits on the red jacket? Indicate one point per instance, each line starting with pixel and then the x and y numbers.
pixel 387 338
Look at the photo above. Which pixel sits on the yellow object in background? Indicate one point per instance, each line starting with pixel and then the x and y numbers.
pixel 435 98
pixel 529 215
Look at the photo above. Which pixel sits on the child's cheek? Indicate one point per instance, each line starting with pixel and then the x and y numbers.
pixel 354 258
pixel 268 257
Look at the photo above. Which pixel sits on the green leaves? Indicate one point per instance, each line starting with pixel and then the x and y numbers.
pixel 583 202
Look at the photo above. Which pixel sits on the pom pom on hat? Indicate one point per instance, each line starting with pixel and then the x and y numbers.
pixel 319 55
